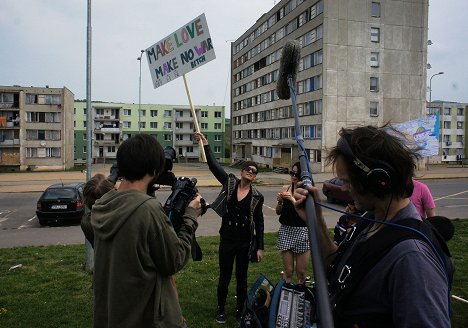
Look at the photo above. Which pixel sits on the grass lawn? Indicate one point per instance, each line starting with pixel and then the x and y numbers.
pixel 50 289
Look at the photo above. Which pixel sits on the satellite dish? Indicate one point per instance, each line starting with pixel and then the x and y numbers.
pixel 43 143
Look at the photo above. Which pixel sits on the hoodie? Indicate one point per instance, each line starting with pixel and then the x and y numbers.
pixel 136 251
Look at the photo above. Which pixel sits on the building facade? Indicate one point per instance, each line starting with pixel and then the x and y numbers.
pixel 452 130
pixel 171 125
pixel 362 62
pixel 36 128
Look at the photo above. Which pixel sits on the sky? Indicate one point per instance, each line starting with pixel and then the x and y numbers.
pixel 44 43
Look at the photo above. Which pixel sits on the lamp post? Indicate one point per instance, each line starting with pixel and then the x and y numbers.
pixel 139 92
pixel 430 86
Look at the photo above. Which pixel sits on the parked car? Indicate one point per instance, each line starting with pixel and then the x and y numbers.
pixel 61 202
pixel 336 192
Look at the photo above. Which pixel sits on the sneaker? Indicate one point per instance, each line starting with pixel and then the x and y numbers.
pixel 220 316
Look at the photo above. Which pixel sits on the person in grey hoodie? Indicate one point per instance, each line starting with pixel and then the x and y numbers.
pixel 135 246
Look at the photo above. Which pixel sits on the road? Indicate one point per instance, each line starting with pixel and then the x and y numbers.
pixel 20 227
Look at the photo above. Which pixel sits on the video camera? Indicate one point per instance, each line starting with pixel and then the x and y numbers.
pixel 183 191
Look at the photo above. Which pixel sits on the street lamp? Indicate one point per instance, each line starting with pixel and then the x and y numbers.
pixel 139 93
pixel 430 86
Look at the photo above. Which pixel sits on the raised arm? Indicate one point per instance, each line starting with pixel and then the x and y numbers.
pixel 213 164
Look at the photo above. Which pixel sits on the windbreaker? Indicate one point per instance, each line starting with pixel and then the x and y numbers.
pixel 136 251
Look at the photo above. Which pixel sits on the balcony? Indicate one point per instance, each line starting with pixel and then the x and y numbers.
pixel 184 119
pixel 183 143
pixel 106 142
pixel 9 142
pixel 106 117
pixel 107 130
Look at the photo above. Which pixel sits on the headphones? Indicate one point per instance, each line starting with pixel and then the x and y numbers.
pixel 378 175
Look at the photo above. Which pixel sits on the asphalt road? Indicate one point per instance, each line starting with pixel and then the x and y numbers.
pixel 20 227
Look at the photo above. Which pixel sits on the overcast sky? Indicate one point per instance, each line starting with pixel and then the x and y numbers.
pixel 44 43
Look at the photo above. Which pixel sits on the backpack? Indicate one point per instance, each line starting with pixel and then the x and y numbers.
pixel 258 304
pixel 282 305
pixel 363 259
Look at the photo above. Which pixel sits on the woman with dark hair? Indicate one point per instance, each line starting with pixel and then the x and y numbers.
pixel 293 238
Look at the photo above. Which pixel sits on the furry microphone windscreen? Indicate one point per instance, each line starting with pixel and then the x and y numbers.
pixel 290 57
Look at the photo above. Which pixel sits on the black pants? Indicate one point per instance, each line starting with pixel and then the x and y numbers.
pixel 228 252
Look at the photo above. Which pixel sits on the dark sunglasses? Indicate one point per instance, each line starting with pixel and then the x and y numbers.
pixel 250 170
pixel 294 174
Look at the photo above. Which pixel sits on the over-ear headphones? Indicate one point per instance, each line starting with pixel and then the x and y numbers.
pixel 378 174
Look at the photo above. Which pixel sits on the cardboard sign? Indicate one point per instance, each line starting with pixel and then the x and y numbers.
pixel 180 52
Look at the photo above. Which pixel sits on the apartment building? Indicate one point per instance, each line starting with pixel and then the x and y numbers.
pixel 362 62
pixel 452 130
pixel 171 125
pixel 36 128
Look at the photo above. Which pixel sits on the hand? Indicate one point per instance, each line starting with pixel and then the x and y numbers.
pixel 300 195
pixel 196 204
pixel 199 136
pixel 287 195
pixel 260 255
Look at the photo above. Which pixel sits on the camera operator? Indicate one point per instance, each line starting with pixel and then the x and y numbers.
pixel 136 247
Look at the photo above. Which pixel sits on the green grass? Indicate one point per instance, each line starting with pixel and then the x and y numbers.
pixel 52 290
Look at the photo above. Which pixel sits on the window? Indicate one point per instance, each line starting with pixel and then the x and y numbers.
pixel 217 114
pixel 447 125
pixel 217 149
pixel 154 125
pixel 189 149
pixel 167 125
pixel 217 126
pixel 204 113
pixel 168 137
pixel 84 123
pixel 167 113
pixel 111 149
pixel 84 149
pixel 460 111
pixel 374 108
pixel 447 110
pixel 127 112
pixel 179 125
pixel 375 9
pixel 53 152
pixel 179 137
pixel 100 111
pixel 43 99
pixel 153 113
pixel 127 125
pixel 375 34
pixel 459 125
pixel 142 112
pixel 217 137
pixel 179 113
pixel 374 59
pixel 142 125
pixel 204 126
pixel 374 84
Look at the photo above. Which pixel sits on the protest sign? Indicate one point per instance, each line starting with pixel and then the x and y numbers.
pixel 184 50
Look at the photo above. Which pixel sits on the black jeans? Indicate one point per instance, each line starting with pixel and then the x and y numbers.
pixel 228 252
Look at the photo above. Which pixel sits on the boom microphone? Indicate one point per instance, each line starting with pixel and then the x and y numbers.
pixel 288 68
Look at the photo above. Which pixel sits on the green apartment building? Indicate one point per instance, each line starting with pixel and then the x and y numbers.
pixel 171 125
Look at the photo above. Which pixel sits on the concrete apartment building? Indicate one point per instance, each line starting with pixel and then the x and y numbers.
pixel 171 125
pixel 452 130
pixel 362 62
pixel 36 128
